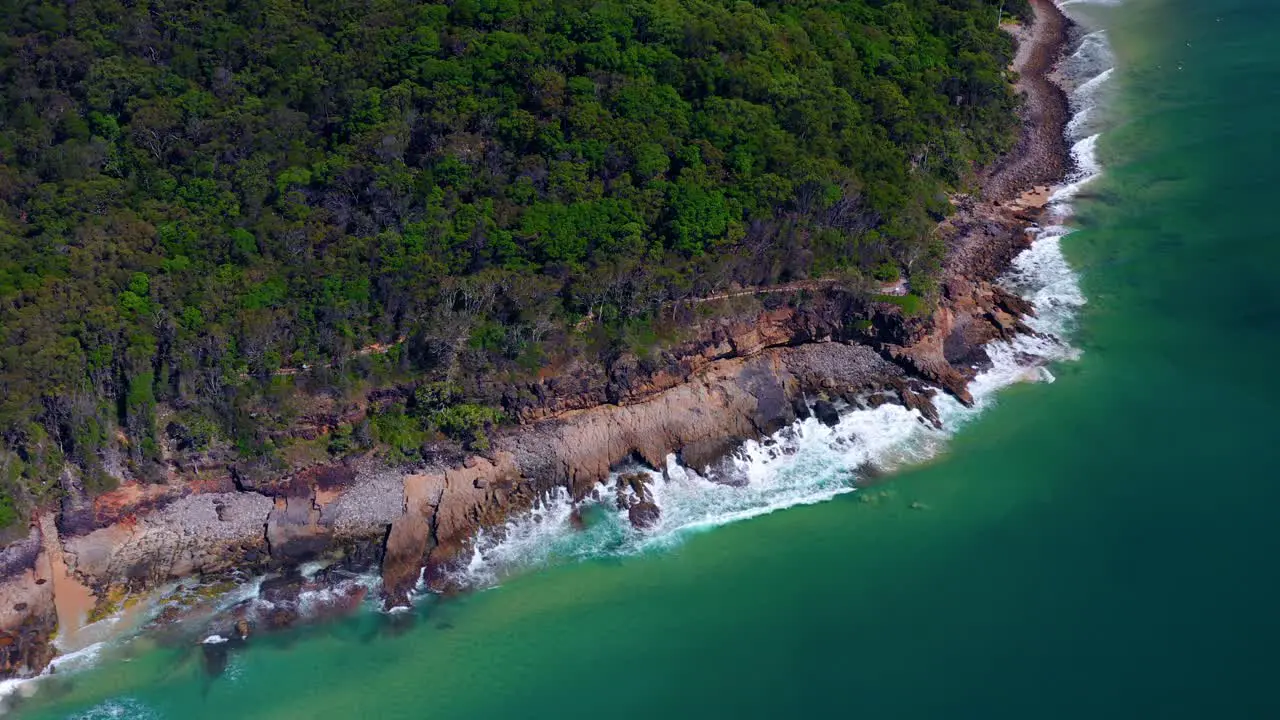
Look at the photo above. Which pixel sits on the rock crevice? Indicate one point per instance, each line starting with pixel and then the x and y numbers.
pixel 739 378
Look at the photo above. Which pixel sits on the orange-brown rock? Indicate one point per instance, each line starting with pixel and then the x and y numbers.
pixel 736 376
pixel 28 616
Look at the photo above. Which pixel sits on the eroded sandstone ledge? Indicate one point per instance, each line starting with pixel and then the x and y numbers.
pixel 739 378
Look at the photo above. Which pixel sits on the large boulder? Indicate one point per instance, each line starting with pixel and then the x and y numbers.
pixel 826 413
pixel 279 597
pixel 634 496
pixel 644 515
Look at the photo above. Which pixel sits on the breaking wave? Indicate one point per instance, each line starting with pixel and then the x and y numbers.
pixel 809 462
pixel 802 464
pixel 805 463
pixel 71 662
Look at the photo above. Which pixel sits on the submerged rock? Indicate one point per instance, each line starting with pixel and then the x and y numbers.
pixel 279 597
pixel 215 658
pixel 644 515
pixel 633 495
pixel 867 473
pixel 921 403
pixel 631 488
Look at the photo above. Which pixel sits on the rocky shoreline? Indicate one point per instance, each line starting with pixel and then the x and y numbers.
pixel 743 377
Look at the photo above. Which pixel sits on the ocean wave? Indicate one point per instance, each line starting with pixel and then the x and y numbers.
pixel 1091 58
pixel 1089 87
pixel 802 464
pixel 71 662
pixel 1085 99
pixel 1084 156
pixel 14 687
pixel 805 463
pixel 809 462
pixel 1088 98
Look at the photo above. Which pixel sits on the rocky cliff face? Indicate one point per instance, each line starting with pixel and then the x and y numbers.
pixel 27 613
pixel 737 378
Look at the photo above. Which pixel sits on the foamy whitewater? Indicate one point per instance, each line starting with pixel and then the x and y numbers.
pixel 809 462
pixel 805 463
pixel 802 464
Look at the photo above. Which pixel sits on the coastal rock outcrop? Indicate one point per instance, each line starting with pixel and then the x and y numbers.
pixel 635 497
pixel 742 383
pixel 826 413
pixel 27 613
pixel 741 379
pixel 809 345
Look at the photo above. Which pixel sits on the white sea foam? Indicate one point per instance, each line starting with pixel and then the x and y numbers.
pixel 15 687
pixel 810 462
pixel 1085 99
pixel 533 540
pixel 802 464
pixel 1087 75
pixel 1091 58
pixel 1090 86
pixel 71 662
pixel 337 594
pixel 805 463
pixel 309 570
pixel 81 659
pixel 1084 156
pixel 1078 124
pixel 118 709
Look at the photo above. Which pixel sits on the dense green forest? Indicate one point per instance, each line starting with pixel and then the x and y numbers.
pixel 194 195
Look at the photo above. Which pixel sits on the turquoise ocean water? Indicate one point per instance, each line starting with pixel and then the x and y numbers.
pixel 1099 546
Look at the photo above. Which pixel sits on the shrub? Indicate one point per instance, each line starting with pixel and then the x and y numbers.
pixel 468 423
pixel 912 305
pixel 8 514
pixel 886 272
pixel 400 433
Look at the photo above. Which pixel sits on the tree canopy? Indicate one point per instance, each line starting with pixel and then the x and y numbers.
pixel 194 195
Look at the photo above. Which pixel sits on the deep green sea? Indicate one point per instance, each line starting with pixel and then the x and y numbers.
pixel 1100 546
